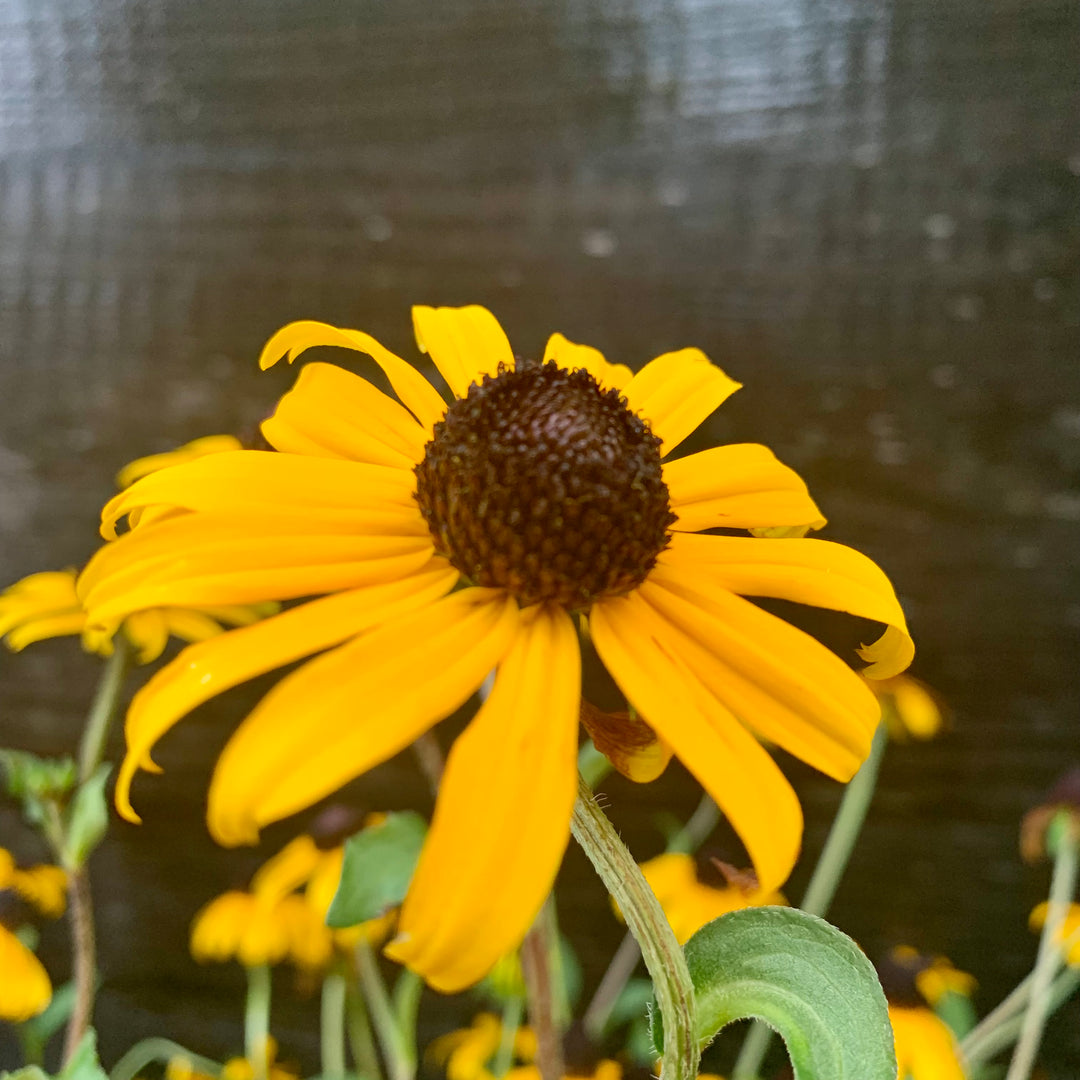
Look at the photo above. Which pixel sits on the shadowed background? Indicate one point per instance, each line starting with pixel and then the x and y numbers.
pixel 868 212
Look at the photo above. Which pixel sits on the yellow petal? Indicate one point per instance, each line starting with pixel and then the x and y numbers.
pixel 726 759
pixel 204 670
pixel 286 871
pixel 190 626
pixel 414 391
pixel 148 633
pixel 210 444
pixel 569 355
pixel 465 343
pixel 350 710
pixel 43 886
pixel 739 486
pixel 484 873
pixel 775 678
pixel 40 629
pixel 676 392
pixel 815 572
pixel 25 989
pixel 261 480
pixel 925 1046
pixel 205 560
pixel 331 412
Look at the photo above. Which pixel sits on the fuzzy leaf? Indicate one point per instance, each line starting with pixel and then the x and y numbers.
pixel 802 977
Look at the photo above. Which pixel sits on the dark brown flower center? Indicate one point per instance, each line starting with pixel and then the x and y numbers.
pixel 541 483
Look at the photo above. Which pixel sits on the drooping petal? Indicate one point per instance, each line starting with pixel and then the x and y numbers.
pixel 331 412
pixel 255 480
pixel 40 629
pixel 197 448
pixel 676 392
pixel 485 872
pixel 739 486
pixel 25 989
pixel 414 391
pixel 46 887
pixel 466 343
pixel 635 750
pixel 190 626
pixel 727 760
pixel 773 677
pixel 350 710
pixel 815 572
pixel 569 355
pixel 148 633
pixel 202 671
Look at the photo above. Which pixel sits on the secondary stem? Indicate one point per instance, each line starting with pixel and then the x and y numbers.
pixel 1062 889
pixel 332 1026
pixel 540 992
pixel 513 1008
pixel 84 967
pixel 824 881
pixel 104 708
pixel 257 1020
pixel 400 1057
pixel 663 956
pixel 365 1057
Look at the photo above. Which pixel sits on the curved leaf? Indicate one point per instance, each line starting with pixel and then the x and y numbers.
pixel 802 977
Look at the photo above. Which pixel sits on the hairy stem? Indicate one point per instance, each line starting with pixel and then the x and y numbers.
pixel 84 963
pixel 662 954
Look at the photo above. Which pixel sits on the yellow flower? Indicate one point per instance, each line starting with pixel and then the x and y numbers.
pixel 45 605
pixel 454 540
pixel 465 1054
pixel 45 887
pixel 241 926
pixel 25 989
pixel 1069 936
pixel 689 903
pixel 925 1047
pixel 237 1068
pixel 909 708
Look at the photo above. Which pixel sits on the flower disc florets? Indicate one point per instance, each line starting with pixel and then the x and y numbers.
pixel 541 483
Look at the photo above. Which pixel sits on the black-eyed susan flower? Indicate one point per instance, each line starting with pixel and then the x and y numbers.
pixel 909 707
pixel 1068 937
pixel 693 892
pixel 453 540
pixel 239 925
pixel 45 605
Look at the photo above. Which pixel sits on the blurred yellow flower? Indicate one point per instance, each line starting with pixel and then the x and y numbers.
pixel 543 490
pixel 909 708
pixel 1069 937
pixel 465 1054
pixel 25 989
pixel 689 903
pixel 44 886
pixel 925 1047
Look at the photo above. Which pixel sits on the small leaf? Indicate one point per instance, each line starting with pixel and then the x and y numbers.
pixel 803 978
pixel 379 864
pixel 87 818
pixel 83 1064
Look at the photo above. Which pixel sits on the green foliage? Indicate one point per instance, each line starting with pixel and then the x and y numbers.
pixel 36 1032
pixel 83 1065
pixel 37 781
pixel 379 864
pixel 87 819
pixel 802 977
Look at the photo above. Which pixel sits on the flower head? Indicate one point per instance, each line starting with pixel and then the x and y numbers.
pixel 25 989
pixel 909 707
pixel 447 541
pixel 693 893
pixel 1068 937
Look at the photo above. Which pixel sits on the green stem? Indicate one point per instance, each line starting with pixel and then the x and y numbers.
pixel 541 993
pixel 623 965
pixel 332 1026
pixel 257 1020
pixel 1049 958
pixel 696 831
pixel 407 991
pixel 104 708
pixel 824 881
pixel 147 1051
pixel 513 1008
pixel 361 1042
pixel 398 1053
pixel 663 956
pixel 1004 1034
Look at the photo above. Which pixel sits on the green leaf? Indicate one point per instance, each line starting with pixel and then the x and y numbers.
pixel 379 864
pixel 38 1030
pixel 87 818
pixel 84 1062
pixel 802 977
pixel 37 781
